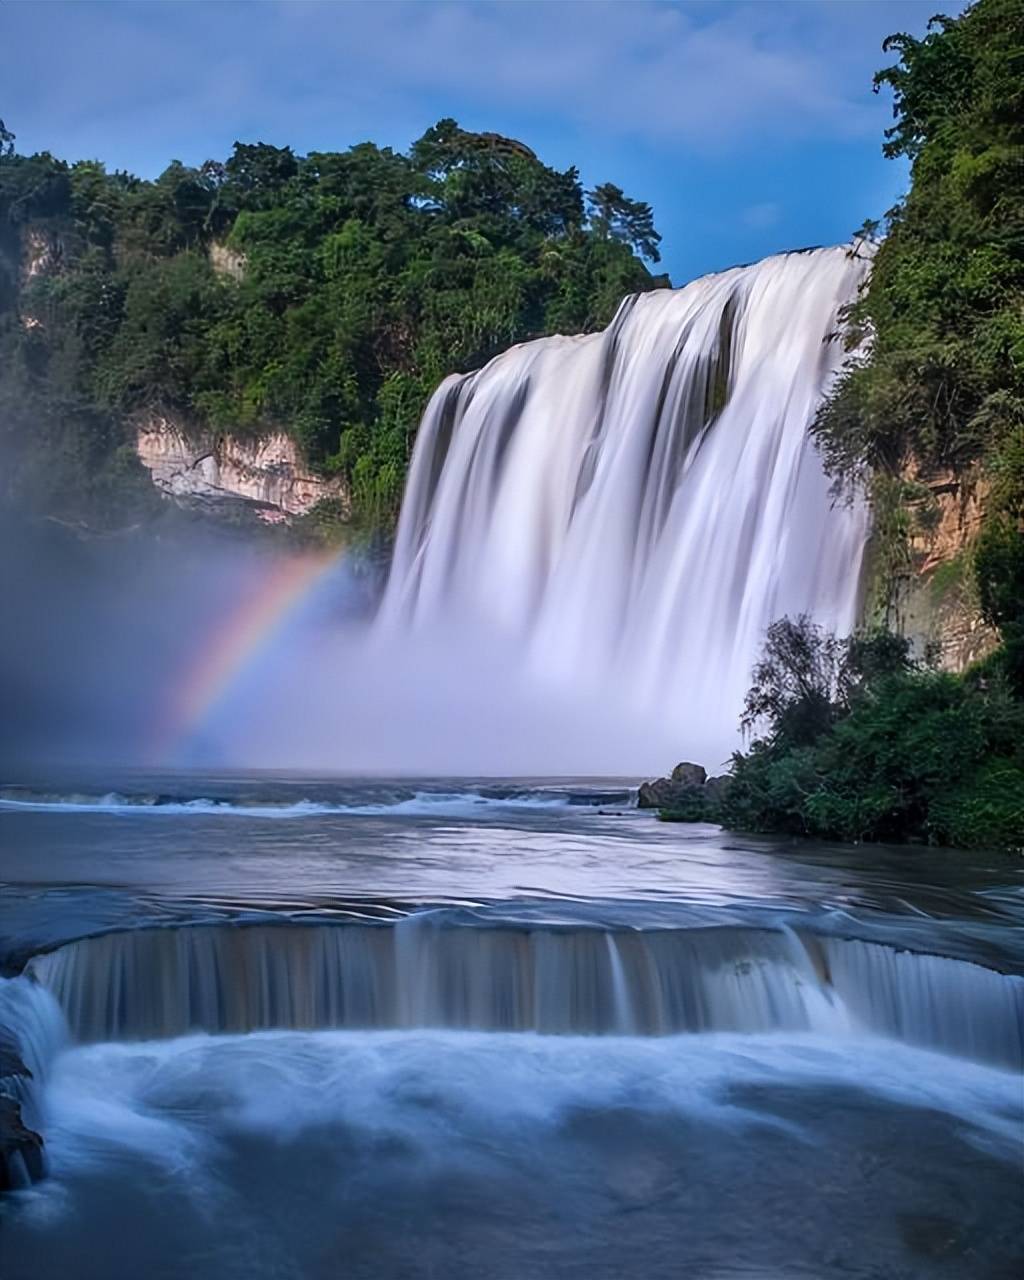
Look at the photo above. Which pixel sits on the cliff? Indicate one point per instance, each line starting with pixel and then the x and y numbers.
pixel 934 597
pixel 267 474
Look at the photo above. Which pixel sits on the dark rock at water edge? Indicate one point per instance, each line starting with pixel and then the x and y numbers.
pixel 21 1148
pixel 666 793
pixel 689 775
pixel 687 795
pixel 11 1064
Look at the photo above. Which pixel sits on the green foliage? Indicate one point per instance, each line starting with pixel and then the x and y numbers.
pixel 806 678
pixel 944 386
pixel 615 217
pixel 986 808
pixel 885 749
pixel 999 564
pixel 326 294
pixel 795 684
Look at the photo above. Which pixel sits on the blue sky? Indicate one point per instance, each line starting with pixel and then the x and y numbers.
pixel 750 125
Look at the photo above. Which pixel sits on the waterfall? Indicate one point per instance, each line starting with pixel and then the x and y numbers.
pixel 428 972
pixel 633 508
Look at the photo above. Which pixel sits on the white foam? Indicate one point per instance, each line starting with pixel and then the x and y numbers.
pixel 424 803
pixel 437 1092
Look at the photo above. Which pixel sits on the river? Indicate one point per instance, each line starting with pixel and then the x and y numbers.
pixel 285 1026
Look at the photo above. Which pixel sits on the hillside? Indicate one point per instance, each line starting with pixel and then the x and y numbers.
pixel 312 302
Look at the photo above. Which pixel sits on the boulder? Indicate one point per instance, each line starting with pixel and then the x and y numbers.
pixel 690 775
pixel 662 793
pixel 678 791
pixel 715 788
pixel 688 795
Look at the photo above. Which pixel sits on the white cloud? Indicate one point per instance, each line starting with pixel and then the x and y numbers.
pixel 715 76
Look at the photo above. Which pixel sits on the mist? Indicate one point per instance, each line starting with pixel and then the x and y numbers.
pixel 101 639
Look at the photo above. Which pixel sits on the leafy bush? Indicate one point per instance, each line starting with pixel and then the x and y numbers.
pixel 886 749
pixel 943 390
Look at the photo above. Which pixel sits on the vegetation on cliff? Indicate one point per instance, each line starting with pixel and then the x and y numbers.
pixel 325 294
pixel 857 740
pixel 941 398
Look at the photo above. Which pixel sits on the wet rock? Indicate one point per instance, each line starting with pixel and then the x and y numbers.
pixel 653 795
pixel 715 788
pixel 674 791
pixel 21 1148
pixel 10 1059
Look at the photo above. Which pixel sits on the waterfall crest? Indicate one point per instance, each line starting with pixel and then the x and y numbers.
pixel 422 972
pixel 634 507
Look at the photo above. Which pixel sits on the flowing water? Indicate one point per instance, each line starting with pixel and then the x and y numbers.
pixel 282 1026
pixel 633 508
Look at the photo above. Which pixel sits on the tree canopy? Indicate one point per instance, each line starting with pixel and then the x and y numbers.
pixel 325 294
pixel 941 396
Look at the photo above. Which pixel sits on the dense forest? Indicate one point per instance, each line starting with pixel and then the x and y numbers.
pixel 326 295
pixel 860 739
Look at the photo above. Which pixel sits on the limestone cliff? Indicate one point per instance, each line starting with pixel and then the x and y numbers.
pixel 226 261
pixel 42 254
pixel 266 473
pixel 934 598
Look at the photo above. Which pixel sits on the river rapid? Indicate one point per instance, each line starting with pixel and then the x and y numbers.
pixel 298 1027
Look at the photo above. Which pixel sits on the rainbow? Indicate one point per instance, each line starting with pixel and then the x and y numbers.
pixel 239 640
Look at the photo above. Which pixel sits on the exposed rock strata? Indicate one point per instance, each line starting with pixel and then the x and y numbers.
pixel 935 600
pixel 267 473
pixel 227 261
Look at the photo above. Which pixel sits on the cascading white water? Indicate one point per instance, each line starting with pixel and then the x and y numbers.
pixel 633 508
pixel 420 972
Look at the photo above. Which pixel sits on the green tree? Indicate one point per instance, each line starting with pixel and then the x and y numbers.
pixel 857 742
pixel 944 387
pixel 356 280
pixel 613 216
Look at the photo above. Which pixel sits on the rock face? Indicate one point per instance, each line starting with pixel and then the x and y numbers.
pixel 42 254
pixel 21 1148
pixel 687 795
pixel 673 792
pixel 227 262
pixel 935 602
pixel 268 473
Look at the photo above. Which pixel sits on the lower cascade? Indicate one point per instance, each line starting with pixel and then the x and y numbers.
pixel 634 507
pixel 421 973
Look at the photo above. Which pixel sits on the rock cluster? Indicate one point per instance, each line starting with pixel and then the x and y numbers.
pixel 687 790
